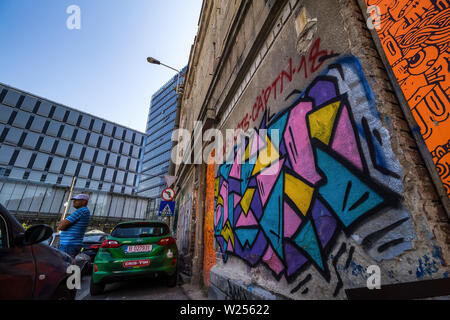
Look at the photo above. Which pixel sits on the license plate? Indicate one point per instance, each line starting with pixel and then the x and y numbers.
pixel 136 263
pixel 138 249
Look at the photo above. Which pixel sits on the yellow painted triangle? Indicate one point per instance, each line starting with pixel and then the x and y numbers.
pixel 321 122
pixel 246 200
pixel 227 233
pixel 246 154
pixel 220 200
pixel 266 157
pixel 299 192
pixel 216 187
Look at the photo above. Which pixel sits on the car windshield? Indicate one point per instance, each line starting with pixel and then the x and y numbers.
pixel 140 230
pixel 94 238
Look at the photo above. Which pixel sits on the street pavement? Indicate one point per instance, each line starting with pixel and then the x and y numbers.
pixel 147 289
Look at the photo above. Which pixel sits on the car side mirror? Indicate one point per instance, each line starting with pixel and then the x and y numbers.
pixel 36 234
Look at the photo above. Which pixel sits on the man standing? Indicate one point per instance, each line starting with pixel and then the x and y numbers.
pixel 74 226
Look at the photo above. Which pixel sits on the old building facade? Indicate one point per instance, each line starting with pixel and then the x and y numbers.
pixel 352 179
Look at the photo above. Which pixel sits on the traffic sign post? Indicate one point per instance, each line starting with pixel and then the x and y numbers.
pixel 168 194
pixel 167 209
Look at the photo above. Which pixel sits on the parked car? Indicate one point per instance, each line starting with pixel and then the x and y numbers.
pixel 135 250
pixel 28 268
pixel 82 260
pixel 91 243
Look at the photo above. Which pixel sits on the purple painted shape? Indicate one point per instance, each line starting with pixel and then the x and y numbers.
pixel 256 205
pixel 267 178
pixel 229 246
pixel 282 148
pixel 246 221
pixel 237 199
pixel 344 141
pixel 257 144
pixel 272 260
pixel 252 183
pixel 294 258
pixel 234 186
pixel 236 168
pixel 297 141
pixel 253 255
pixel 322 91
pixel 221 241
pixel 324 221
pixel 224 195
pixel 237 211
pixel 291 221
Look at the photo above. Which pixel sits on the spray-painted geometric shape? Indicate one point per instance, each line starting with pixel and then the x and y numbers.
pixel 227 234
pixel 272 260
pixel 276 130
pixel 266 157
pixel 246 236
pixel 294 258
pixel 349 197
pixel 271 221
pixel 231 209
pixel 307 240
pixel 236 168
pixel 247 199
pixel 246 173
pixel 324 222
pixel 322 91
pixel 225 170
pixel 298 145
pixel 299 192
pixel 344 141
pixel 321 122
pixel 267 178
pixel 291 221
pixel 246 220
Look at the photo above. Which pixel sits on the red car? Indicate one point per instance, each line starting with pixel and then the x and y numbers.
pixel 28 268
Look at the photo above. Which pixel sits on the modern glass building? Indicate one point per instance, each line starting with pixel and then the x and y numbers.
pixel 158 142
pixel 43 141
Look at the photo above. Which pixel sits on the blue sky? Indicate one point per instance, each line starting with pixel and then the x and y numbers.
pixel 101 68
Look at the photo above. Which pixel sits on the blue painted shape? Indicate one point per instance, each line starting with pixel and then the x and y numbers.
pixel 279 125
pixel 167 208
pixel 225 170
pixel 272 219
pixel 231 209
pixel 246 235
pixel 246 172
pixel 218 229
pixel 338 177
pixel 307 240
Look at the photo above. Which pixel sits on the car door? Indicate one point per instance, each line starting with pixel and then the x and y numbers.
pixel 17 269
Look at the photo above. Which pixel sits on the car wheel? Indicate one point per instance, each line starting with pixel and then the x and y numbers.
pixel 63 293
pixel 96 288
pixel 172 280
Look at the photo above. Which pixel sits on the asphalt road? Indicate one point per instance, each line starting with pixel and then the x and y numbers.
pixel 146 289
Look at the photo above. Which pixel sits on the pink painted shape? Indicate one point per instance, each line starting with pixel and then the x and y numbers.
pixel 291 221
pixel 224 194
pixel 230 246
pixel 237 199
pixel 298 144
pixel 236 168
pixel 257 144
pixel 217 215
pixel 272 260
pixel 267 178
pixel 247 221
pixel 344 141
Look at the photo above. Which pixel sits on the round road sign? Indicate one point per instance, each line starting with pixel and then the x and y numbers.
pixel 168 194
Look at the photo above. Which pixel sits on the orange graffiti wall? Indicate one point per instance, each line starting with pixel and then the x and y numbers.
pixel 415 36
pixel 209 254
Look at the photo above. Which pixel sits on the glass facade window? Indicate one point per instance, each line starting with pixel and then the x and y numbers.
pixel 62 148
pixel 5 113
pixel 119 133
pixel 13 136
pixel 68 132
pixel 73 117
pixel 108 129
pixel 23 159
pixel 81 136
pixel 31 140
pixel 44 109
pixel 112 160
pixel 93 140
pixel 85 122
pixel 21 119
pixel 76 151
pixel 97 126
pixel 89 155
pixel 101 157
pixel 40 162
pixel 38 124
pixel 28 104
pixel 105 143
pixel 59 114
pixel 115 146
pixel 11 98
pixel 71 167
pixel 53 128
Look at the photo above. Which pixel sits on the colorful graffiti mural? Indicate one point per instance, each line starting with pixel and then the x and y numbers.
pixel 331 170
pixel 415 36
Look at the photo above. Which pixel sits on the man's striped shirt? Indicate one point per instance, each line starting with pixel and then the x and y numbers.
pixel 75 233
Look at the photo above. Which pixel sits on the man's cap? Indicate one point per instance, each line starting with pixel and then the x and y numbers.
pixel 81 197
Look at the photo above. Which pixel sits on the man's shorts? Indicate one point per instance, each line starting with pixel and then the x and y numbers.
pixel 71 250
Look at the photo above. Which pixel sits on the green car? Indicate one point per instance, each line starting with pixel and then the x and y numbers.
pixel 134 250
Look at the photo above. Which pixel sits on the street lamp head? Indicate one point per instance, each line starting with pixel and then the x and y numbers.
pixel 153 61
